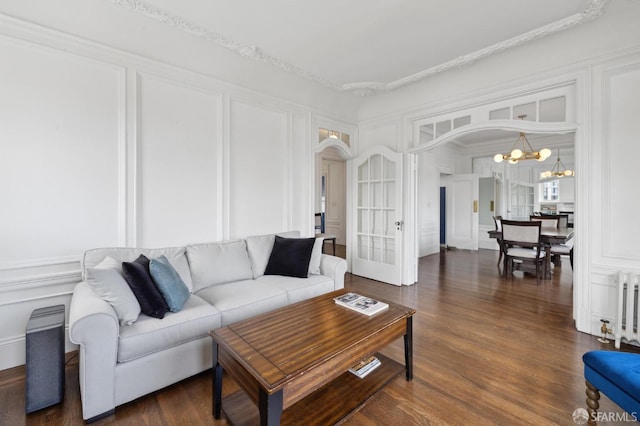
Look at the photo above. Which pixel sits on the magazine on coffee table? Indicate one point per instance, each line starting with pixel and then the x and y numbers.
pixel 365 366
pixel 362 304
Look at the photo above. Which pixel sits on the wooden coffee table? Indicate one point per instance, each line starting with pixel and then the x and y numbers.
pixel 292 362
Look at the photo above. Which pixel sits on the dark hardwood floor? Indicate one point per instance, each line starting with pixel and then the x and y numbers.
pixel 487 350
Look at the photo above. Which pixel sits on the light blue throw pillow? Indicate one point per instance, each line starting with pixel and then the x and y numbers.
pixel 166 278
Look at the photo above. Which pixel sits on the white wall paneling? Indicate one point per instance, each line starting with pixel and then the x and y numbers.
pixel 620 86
pixel 302 178
pixel 260 167
pixel 178 163
pixel 603 299
pixel 63 132
pixel 381 134
pixel 611 243
pixel 104 148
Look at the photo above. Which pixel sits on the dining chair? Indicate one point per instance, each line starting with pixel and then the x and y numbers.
pixel 319 223
pixel 565 249
pixel 320 232
pixel 563 220
pixel 497 220
pixel 521 243
pixel 557 250
pixel 546 221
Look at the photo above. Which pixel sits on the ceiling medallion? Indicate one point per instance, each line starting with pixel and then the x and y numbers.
pixel 592 11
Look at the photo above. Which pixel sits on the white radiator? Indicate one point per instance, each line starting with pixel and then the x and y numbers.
pixel 628 306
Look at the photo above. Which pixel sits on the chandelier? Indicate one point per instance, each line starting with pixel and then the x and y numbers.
pixel 556 171
pixel 526 153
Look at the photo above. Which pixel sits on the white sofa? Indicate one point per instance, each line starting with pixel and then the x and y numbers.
pixel 120 363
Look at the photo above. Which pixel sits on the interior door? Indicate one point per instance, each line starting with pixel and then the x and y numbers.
pixel 462 211
pixel 336 199
pixel 378 229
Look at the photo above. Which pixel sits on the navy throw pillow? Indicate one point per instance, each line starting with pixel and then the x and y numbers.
pixel 138 277
pixel 290 257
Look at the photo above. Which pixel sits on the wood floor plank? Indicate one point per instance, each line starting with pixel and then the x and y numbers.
pixel 487 350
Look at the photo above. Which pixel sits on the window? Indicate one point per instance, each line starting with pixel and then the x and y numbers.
pixel 550 191
pixel 333 134
pixel 521 200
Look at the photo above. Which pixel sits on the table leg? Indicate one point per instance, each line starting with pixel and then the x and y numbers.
pixel 408 348
pixel 547 261
pixel 217 383
pixel 270 406
pixel 334 246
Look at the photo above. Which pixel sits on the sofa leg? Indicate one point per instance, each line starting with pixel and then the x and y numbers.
pixel 593 395
pixel 101 416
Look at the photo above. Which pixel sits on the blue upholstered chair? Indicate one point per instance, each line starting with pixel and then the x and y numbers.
pixel 617 375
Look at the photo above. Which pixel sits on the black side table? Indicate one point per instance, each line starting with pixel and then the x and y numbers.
pixel 45 358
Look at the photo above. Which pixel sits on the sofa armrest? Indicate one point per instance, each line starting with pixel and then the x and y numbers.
pixel 94 326
pixel 334 267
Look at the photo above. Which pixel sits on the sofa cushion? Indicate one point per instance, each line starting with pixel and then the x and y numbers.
pixel 106 280
pixel 139 279
pixel 168 281
pixel 243 299
pixel 176 255
pixel 217 263
pixel 299 288
pixel 290 257
pixel 259 248
pixel 150 335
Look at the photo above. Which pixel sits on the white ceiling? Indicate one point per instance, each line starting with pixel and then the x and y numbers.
pixel 368 45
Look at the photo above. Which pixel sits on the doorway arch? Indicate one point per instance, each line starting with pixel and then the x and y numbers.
pixel 560 128
pixel 333 162
pixel 512 126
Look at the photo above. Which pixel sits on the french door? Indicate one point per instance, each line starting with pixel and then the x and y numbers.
pixel 378 228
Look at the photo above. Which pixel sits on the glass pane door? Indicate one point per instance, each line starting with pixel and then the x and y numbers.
pixel 377 253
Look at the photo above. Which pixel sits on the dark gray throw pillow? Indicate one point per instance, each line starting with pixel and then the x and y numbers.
pixel 137 275
pixel 290 257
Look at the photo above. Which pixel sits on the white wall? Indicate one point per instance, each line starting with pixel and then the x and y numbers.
pixel 102 130
pixel 602 58
pixel 616 30
pixel 102 147
pixel 611 189
pixel 113 24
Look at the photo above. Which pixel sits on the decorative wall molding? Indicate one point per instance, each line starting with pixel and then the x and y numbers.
pixel 250 52
pixel 40 282
pixel 39 273
pixel 611 250
pixel 592 11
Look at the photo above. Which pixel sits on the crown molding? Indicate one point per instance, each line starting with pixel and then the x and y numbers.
pixel 592 11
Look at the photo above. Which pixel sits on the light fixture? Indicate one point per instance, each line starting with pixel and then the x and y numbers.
pixel 334 134
pixel 556 171
pixel 526 153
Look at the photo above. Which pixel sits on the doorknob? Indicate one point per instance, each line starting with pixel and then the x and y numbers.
pixel 399 225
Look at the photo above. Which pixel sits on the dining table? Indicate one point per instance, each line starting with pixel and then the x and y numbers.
pixel 548 236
